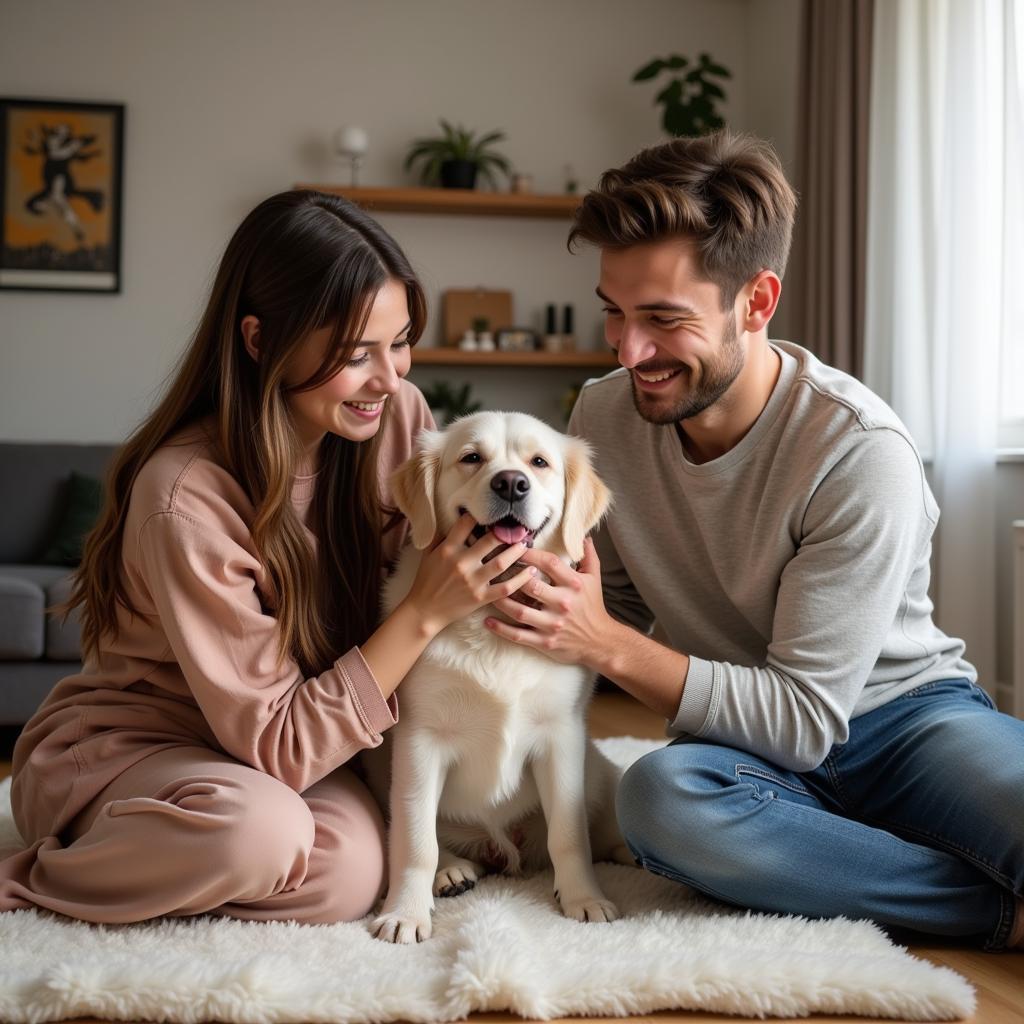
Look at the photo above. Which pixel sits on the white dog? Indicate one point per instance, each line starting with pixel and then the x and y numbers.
pixel 493 733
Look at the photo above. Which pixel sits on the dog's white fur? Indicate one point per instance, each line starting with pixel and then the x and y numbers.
pixel 490 759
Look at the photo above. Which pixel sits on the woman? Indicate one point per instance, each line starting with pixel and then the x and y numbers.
pixel 235 661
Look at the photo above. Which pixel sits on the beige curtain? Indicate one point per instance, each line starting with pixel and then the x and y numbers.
pixel 825 286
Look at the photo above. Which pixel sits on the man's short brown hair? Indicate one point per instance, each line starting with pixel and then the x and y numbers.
pixel 725 193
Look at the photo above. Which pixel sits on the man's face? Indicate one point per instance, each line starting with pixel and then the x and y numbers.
pixel 666 324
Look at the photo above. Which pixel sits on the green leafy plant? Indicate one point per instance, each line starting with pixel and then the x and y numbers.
pixel 457 145
pixel 568 400
pixel 689 99
pixel 449 402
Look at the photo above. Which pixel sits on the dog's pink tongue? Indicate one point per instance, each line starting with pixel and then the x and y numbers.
pixel 509 534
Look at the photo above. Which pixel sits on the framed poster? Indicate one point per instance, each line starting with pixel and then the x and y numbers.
pixel 60 182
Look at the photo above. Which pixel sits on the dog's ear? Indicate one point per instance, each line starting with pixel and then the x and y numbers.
pixel 586 498
pixel 414 484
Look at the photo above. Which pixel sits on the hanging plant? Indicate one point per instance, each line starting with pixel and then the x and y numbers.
pixel 690 100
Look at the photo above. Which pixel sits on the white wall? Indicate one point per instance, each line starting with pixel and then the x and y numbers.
pixel 230 101
pixel 770 71
pixel 772 74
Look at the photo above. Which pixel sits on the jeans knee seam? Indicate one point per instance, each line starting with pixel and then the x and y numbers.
pixel 997 942
pixel 655 868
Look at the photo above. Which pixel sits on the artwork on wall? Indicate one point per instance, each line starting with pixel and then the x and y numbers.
pixel 60 183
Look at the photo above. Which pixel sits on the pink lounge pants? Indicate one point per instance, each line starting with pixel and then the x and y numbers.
pixel 190 831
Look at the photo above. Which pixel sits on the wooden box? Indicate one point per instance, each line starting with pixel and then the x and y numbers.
pixel 460 307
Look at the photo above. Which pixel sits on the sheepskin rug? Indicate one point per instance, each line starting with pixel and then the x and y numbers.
pixel 503 946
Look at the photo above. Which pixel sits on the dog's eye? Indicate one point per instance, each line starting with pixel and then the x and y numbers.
pixel 538 462
pixel 470 457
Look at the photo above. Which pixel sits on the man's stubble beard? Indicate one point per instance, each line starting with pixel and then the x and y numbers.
pixel 716 379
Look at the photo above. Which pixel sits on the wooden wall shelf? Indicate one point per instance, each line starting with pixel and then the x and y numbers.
pixel 458 201
pixel 437 356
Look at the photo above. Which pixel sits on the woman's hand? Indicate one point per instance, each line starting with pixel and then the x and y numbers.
pixel 453 579
pixel 566 618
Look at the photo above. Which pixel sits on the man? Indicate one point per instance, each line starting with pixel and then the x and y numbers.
pixel 834 754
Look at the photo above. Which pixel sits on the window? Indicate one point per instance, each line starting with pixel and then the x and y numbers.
pixel 1011 398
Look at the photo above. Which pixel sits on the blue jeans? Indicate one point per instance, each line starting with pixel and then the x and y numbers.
pixel 916 822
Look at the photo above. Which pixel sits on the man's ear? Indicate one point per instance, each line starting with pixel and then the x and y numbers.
pixel 414 486
pixel 586 498
pixel 250 326
pixel 763 292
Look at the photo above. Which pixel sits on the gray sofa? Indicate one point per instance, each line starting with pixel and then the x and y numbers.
pixel 36 650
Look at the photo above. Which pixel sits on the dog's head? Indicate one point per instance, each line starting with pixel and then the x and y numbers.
pixel 515 476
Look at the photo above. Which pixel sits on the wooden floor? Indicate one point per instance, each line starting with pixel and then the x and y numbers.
pixel 998 978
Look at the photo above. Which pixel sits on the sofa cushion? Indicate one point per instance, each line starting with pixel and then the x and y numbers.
pixel 21 618
pixel 26 631
pixel 63 639
pixel 43 576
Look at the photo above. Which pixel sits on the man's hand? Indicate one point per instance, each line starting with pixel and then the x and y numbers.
pixel 566 618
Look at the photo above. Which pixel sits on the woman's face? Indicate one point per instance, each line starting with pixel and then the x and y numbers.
pixel 351 402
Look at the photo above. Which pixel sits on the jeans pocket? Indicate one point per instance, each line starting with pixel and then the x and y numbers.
pixel 755 771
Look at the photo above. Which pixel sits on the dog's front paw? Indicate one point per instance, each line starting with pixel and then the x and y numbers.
pixel 457 877
pixel 589 908
pixel 401 927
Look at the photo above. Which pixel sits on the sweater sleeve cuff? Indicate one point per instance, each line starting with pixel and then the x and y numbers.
pixel 377 713
pixel 695 707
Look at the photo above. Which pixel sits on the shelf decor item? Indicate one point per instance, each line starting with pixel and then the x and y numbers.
pixel 518 339
pixel 522 183
pixel 350 145
pixel 60 185
pixel 568 330
pixel 455 158
pixel 552 340
pixel 473 309
pixel 690 100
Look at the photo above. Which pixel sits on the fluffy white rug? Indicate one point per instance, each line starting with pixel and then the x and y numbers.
pixel 503 946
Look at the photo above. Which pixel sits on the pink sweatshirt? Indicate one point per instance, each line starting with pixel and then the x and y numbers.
pixel 200 666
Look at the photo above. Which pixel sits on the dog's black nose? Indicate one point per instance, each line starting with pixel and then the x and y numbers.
pixel 510 485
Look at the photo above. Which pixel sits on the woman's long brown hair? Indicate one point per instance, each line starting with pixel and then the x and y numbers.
pixel 300 261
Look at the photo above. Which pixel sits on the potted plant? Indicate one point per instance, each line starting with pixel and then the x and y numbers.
pixel 448 402
pixel 455 158
pixel 689 100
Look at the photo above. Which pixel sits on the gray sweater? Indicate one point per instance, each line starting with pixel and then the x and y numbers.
pixel 793 570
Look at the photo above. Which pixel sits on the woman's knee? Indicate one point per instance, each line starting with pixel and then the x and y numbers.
pixel 348 867
pixel 266 832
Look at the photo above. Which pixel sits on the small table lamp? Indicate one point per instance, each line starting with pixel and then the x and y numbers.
pixel 350 143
